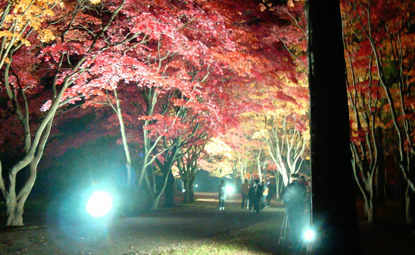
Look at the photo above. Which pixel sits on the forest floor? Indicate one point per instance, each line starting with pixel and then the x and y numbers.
pixel 197 228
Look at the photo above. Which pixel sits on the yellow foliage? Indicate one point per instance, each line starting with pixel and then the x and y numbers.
pixel 22 15
pixel 13 37
pixel 218 147
pixel 95 2
pixel 46 36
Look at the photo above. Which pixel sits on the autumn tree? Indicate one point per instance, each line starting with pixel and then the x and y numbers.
pixel 219 51
pixel 365 103
pixel 188 164
pixel 63 61
pixel 382 33
pixel 170 67
pixel 20 20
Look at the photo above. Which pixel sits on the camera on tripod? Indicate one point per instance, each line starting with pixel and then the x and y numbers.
pixel 308 236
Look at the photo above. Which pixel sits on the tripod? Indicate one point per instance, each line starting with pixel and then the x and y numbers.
pixel 283 231
pixel 282 240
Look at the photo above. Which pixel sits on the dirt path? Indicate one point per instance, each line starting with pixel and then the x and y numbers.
pixel 198 228
pixel 140 235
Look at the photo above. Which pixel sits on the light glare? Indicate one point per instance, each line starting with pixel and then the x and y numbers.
pixel 309 235
pixel 229 189
pixel 99 204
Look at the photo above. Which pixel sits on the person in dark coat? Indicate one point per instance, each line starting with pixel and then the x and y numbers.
pixel 293 197
pixel 244 194
pixel 221 195
pixel 258 196
pixel 251 196
pixel 270 193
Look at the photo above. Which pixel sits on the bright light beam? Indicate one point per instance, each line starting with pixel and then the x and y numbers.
pixel 309 235
pixel 99 204
pixel 229 189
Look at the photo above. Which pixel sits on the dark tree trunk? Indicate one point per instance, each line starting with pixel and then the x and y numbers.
pixel 169 192
pixel 191 193
pixel 409 205
pixel 334 212
pixel 381 174
pixel 186 185
pixel 191 185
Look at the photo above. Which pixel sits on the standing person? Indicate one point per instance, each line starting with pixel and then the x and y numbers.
pixel 251 196
pixel 294 196
pixel 258 195
pixel 303 181
pixel 221 195
pixel 270 192
pixel 307 203
pixel 244 193
pixel 264 196
pixel 307 200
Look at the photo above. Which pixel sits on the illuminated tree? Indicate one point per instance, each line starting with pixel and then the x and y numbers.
pixel 188 164
pixel 167 69
pixel 365 103
pixel 218 158
pixel 64 60
pixel 384 35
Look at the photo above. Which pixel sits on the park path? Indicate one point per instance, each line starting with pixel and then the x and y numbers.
pixel 138 235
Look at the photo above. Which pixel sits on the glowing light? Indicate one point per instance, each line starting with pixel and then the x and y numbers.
pixel 309 235
pixel 229 189
pixel 99 204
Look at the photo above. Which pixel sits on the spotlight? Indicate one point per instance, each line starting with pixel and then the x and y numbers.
pixel 99 204
pixel 229 190
pixel 309 235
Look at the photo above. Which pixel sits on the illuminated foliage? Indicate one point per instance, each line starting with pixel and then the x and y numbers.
pixel 59 63
pixel 380 58
pixel 175 73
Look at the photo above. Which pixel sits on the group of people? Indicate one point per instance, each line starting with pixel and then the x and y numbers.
pixel 255 196
pixel 295 197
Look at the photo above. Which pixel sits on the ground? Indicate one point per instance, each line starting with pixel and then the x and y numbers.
pixel 197 228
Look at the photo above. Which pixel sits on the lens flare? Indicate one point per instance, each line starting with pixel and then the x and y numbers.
pixel 309 235
pixel 229 189
pixel 99 204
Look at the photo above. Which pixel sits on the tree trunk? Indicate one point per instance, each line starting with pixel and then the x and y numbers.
pixel 186 185
pixel 12 214
pixel 259 167
pixel 333 203
pixel 169 192
pixel 243 174
pixel 128 162
pixel 408 205
pixel 278 185
pixel 157 199
pixel 369 209
pixel 191 193
pixel 15 204
pixel 381 173
pixel 191 185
